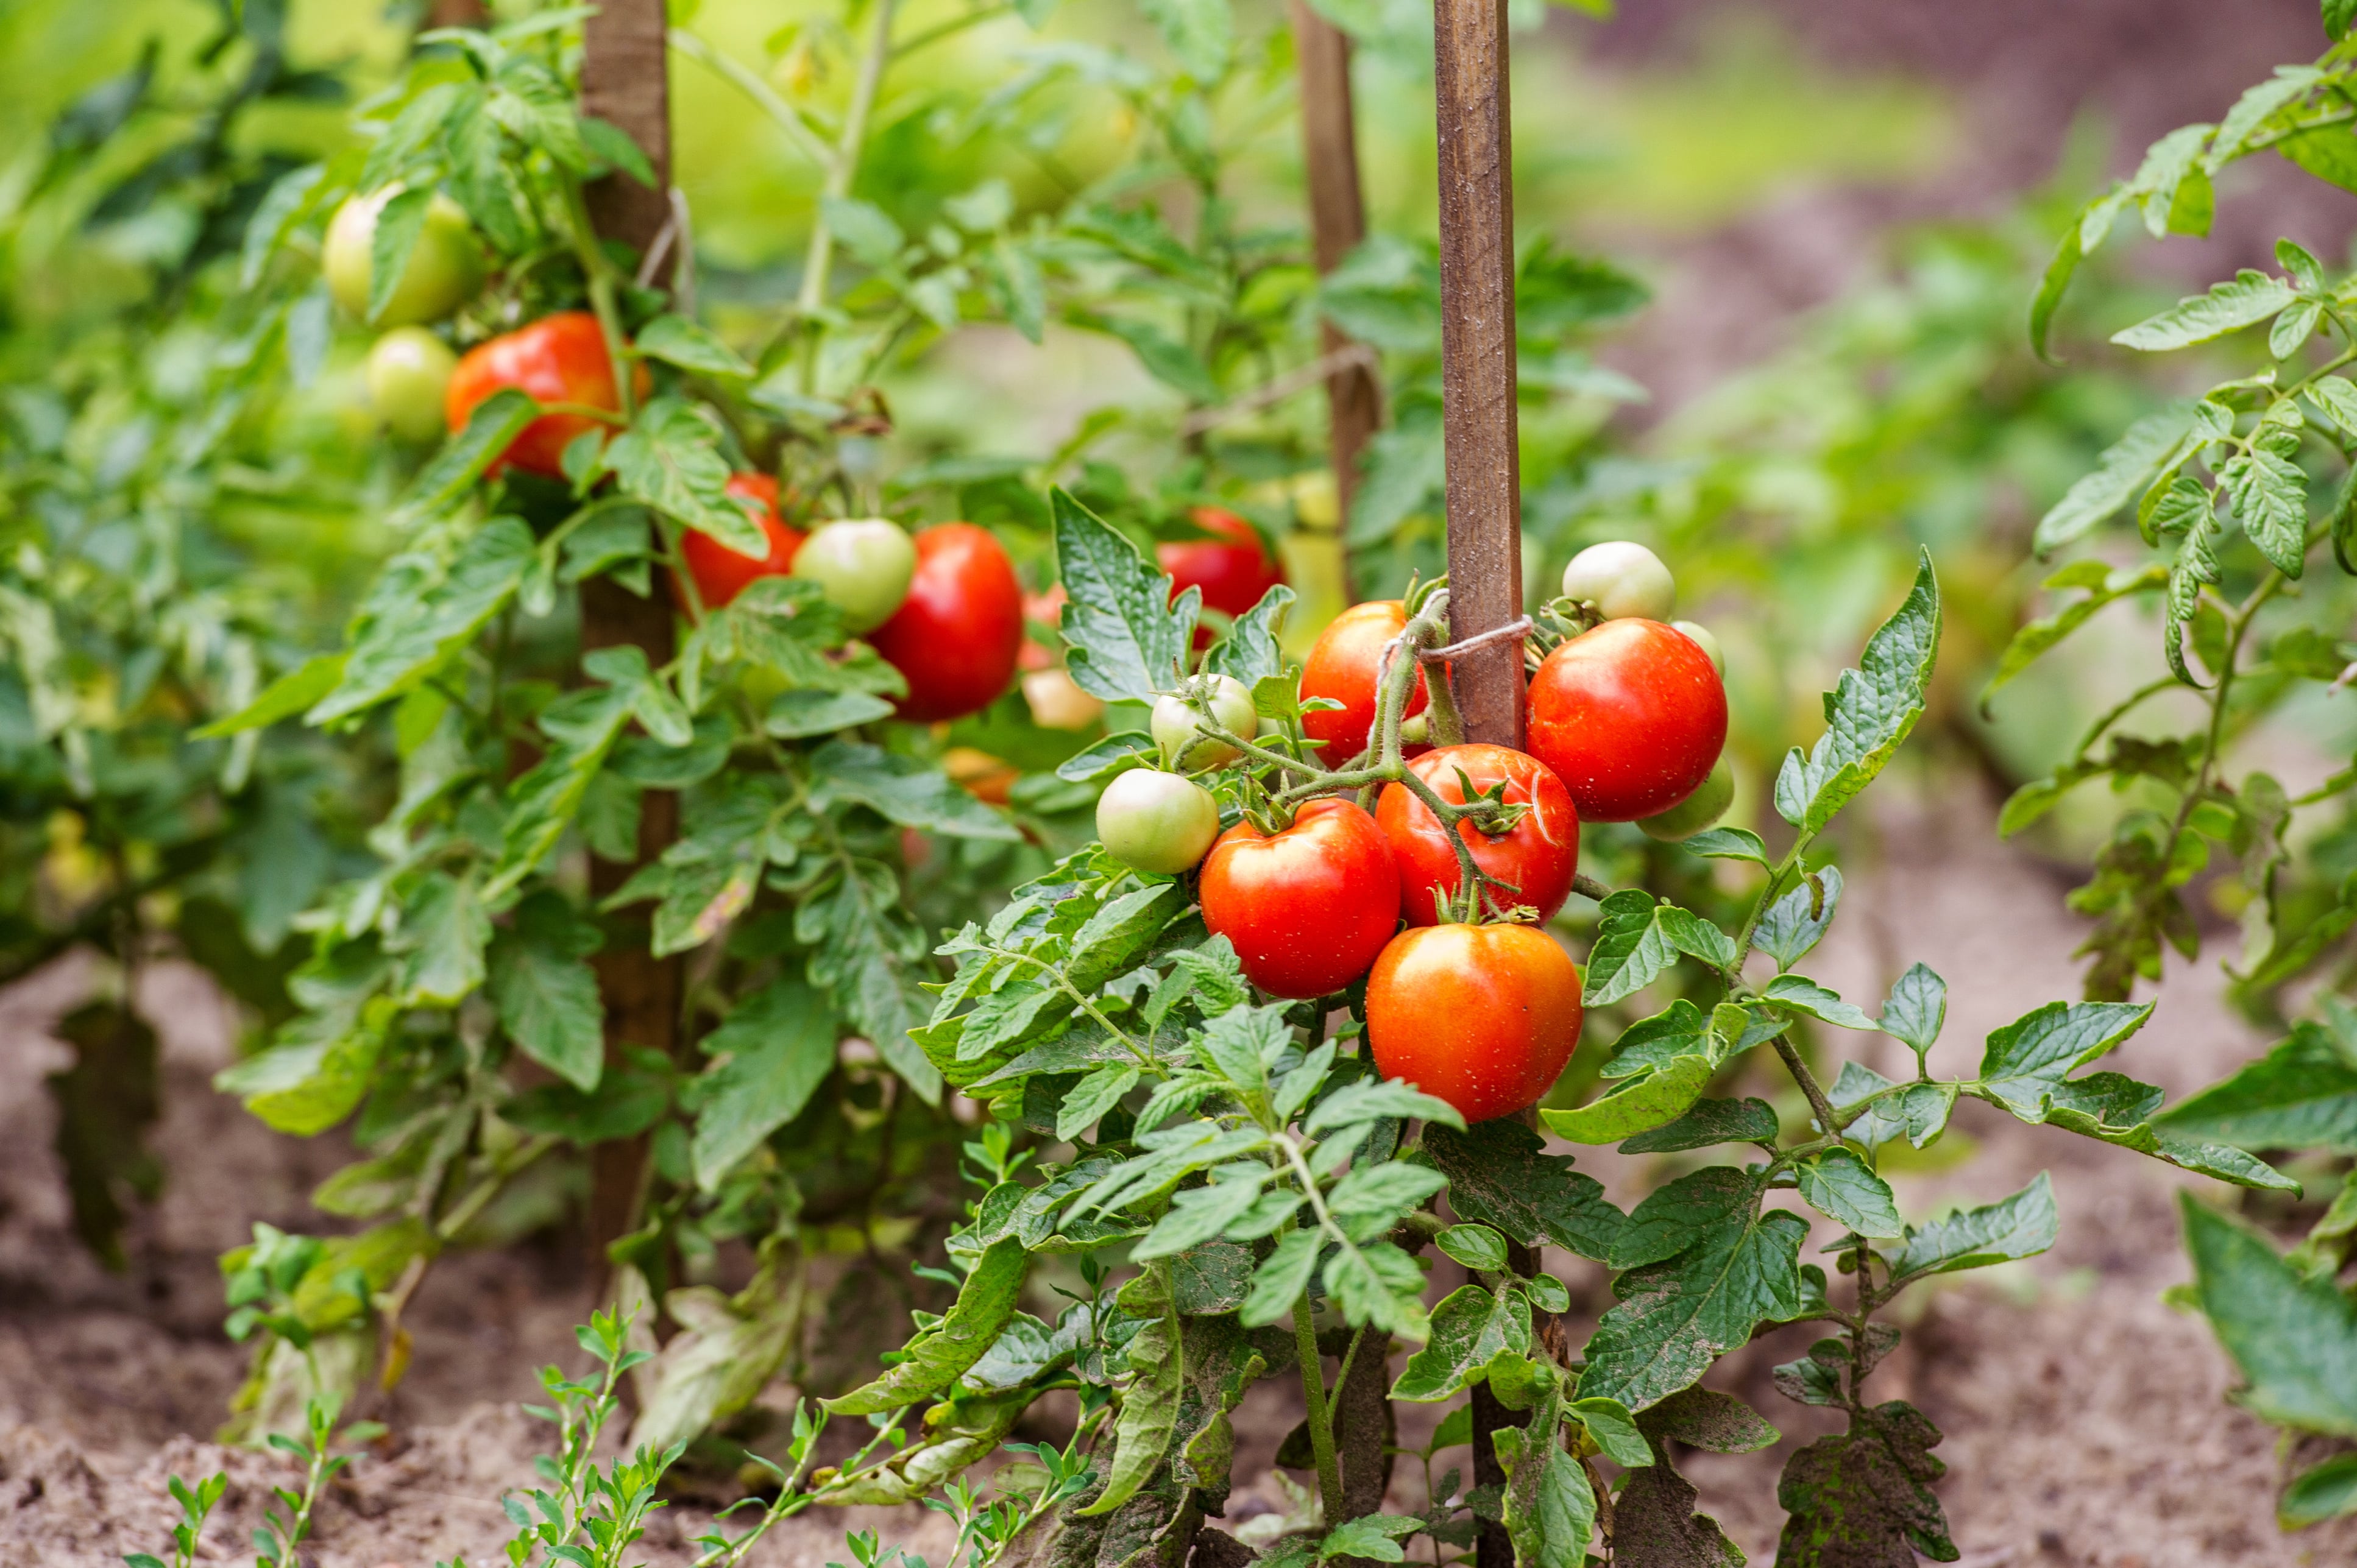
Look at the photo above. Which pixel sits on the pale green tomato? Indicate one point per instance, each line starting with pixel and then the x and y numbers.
pixel 1157 823
pixel 1186 748
pixel 864 564
pixel 1621 579
pixel 1702 639
pixel 408 371
pixel 1697 811
pixel 443 273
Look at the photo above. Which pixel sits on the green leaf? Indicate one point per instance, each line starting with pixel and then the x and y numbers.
pixel 2251 297
pixel 1500 1175
pixel 670 459
pixel 2301 1095
pixel 1806 995
pixel 1678 1316
pixel 1149 1410
pixel 795 715
pixel 2126 466
pixel 2039 636
pixel 292 692
pixel 1729 844
pixel 1368 1100
pixel 939 1356
pixel 1797 921
pixel 1918 1113
pixel 420 614
pixel 1371 1199
pixel 2021 1226
pixel 1870 711
pixel 906 792
pixel 2328 1490
pixel 1707 1122
pixel 1165 357
pixel 1837 1185
pixel 546 995
pixel 1917 1010
pixel 613 146
pixel 1478 1246
pixel 1094 1095
pixel 1615 1431
pixel 444 932
pixel 1251 651
pixel 1126 637
pixel 676 340
pixel 2293 1339
pixel 1638 1105
pixel 399 223
pixel 2023 1061
pixel 773 1051
pixel 1100 759
pixel 1550 1506
pixel 866 231
pixel 1864 1500
pixel 1469 1327
pixel 2087 231
pixel 2269 495
pixel 491 429
pixel 1201 32
pixel 1281 1278
pixel 1638 940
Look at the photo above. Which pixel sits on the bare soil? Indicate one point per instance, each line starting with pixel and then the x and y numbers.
pixel 2088 1424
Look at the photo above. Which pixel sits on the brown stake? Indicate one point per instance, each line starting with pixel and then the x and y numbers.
pixel 1338 221
pixel 1477 317
pixel 623 80
pixel 1485 534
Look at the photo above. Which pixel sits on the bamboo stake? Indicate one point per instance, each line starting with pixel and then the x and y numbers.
pixel 624 80
pixel 1338 221
pixel 1475 139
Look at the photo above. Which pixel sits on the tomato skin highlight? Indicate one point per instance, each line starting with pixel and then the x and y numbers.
pixel 1233 571
pixel 721 573
pixel 558 359
pixel 1482 1017
pixel 1630 716
pixel 1343 666
pixel 1307 907
pixel 957 637
pixel 1539 854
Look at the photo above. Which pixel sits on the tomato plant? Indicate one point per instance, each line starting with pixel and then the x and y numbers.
pixel 1308 906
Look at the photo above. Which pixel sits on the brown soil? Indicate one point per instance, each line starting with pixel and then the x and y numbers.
pixel 2087 1421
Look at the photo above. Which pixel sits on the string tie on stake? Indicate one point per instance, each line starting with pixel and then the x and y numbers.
pixel 1514 631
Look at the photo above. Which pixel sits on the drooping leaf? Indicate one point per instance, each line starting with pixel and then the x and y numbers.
pixel 545 993
pixel 1793 925
pixel 940 1355
pixel 669 459
pixel 421 614
pixel 905 791
pixel 1636 1104
pixel 2248 298
pixel 1806 995
pixel 776 1048
pixel 1150 1411
pixel 2301 1095
pixel 1707 1122
pixel 1864 1498
pixel 2293 1339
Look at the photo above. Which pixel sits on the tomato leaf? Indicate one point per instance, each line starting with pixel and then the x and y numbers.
pixel 1126 637
pixel 1865 1496
pixel 1500 1175
pixel 1870 713
pixel 939 1356
pixel 2301 1095
pixel 771 1054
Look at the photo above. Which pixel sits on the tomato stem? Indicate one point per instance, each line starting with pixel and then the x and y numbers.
pixel 1320 1419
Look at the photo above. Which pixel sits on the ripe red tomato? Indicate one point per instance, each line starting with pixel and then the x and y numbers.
pixel 956 635
pixel 721 573
pixel 558 359
pixel 1343 666
pixel 1537 854
pixel 1308 907
pixel 1234 570
pixel 1630 716
pixel 1482 1016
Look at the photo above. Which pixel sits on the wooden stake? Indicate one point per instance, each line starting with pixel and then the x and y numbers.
pixel 1477 315
pixel 1338 221
pixel 1485 534
pixel 624 80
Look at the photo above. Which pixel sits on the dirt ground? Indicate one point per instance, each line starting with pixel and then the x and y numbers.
pixel 2087 1422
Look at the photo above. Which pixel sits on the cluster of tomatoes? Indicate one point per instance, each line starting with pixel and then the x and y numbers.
pixel 944 608
pixel 1626 721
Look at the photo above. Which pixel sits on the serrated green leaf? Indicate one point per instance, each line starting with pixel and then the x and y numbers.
pixel 1837 1185
pixel 421 614
pixel 779 1046
pixel 905 791
pixel 1126 637
pixel 2293 1339
pixel 2249 298
pixel 546 995
pixel 491 429
pixel 1633 948
pixel 2021 1226
pixel 1870 713
pixel 2269 496
pixel 676 340
pixel 292 692
pixel 2301 1095
pixel 1251 650
pixel 1806 995
pixel 2126 466
pixel 1798 920
pixel 1500 1175
pixel 1676 1317
pixel 1469 1327
pixel 939 1356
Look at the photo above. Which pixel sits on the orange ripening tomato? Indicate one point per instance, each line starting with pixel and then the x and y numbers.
pixel 721 573
pixel 1538 855
pixel 1630 716
pixel 1308 907
pixel 957 637
pixel 1482 1017
pixel 1344 666
pixel 1233 570
pixel 558 359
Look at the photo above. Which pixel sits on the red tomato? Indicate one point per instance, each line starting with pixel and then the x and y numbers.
pixel 558 359
pixel 1630 716
pixel 956 635
pixel 1308 907
pixel 1234 570
pixel 721 573
pixel 1343 666
pixel 1482 1016
pixel 1537 854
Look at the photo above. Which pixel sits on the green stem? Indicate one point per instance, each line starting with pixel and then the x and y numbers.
pixel 1313 1391
pixel 599 278
pixel 789 119
pixel 842 168
pixel 1826 1118
pixel 1759 907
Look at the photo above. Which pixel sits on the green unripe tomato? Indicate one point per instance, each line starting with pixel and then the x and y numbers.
pixel 1697 811
pixel 443 273
pixel 864 564
pixel 1621 579
pixel 408 371
pixel 1157 823
pixel 1701 637
pixel 1188 750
